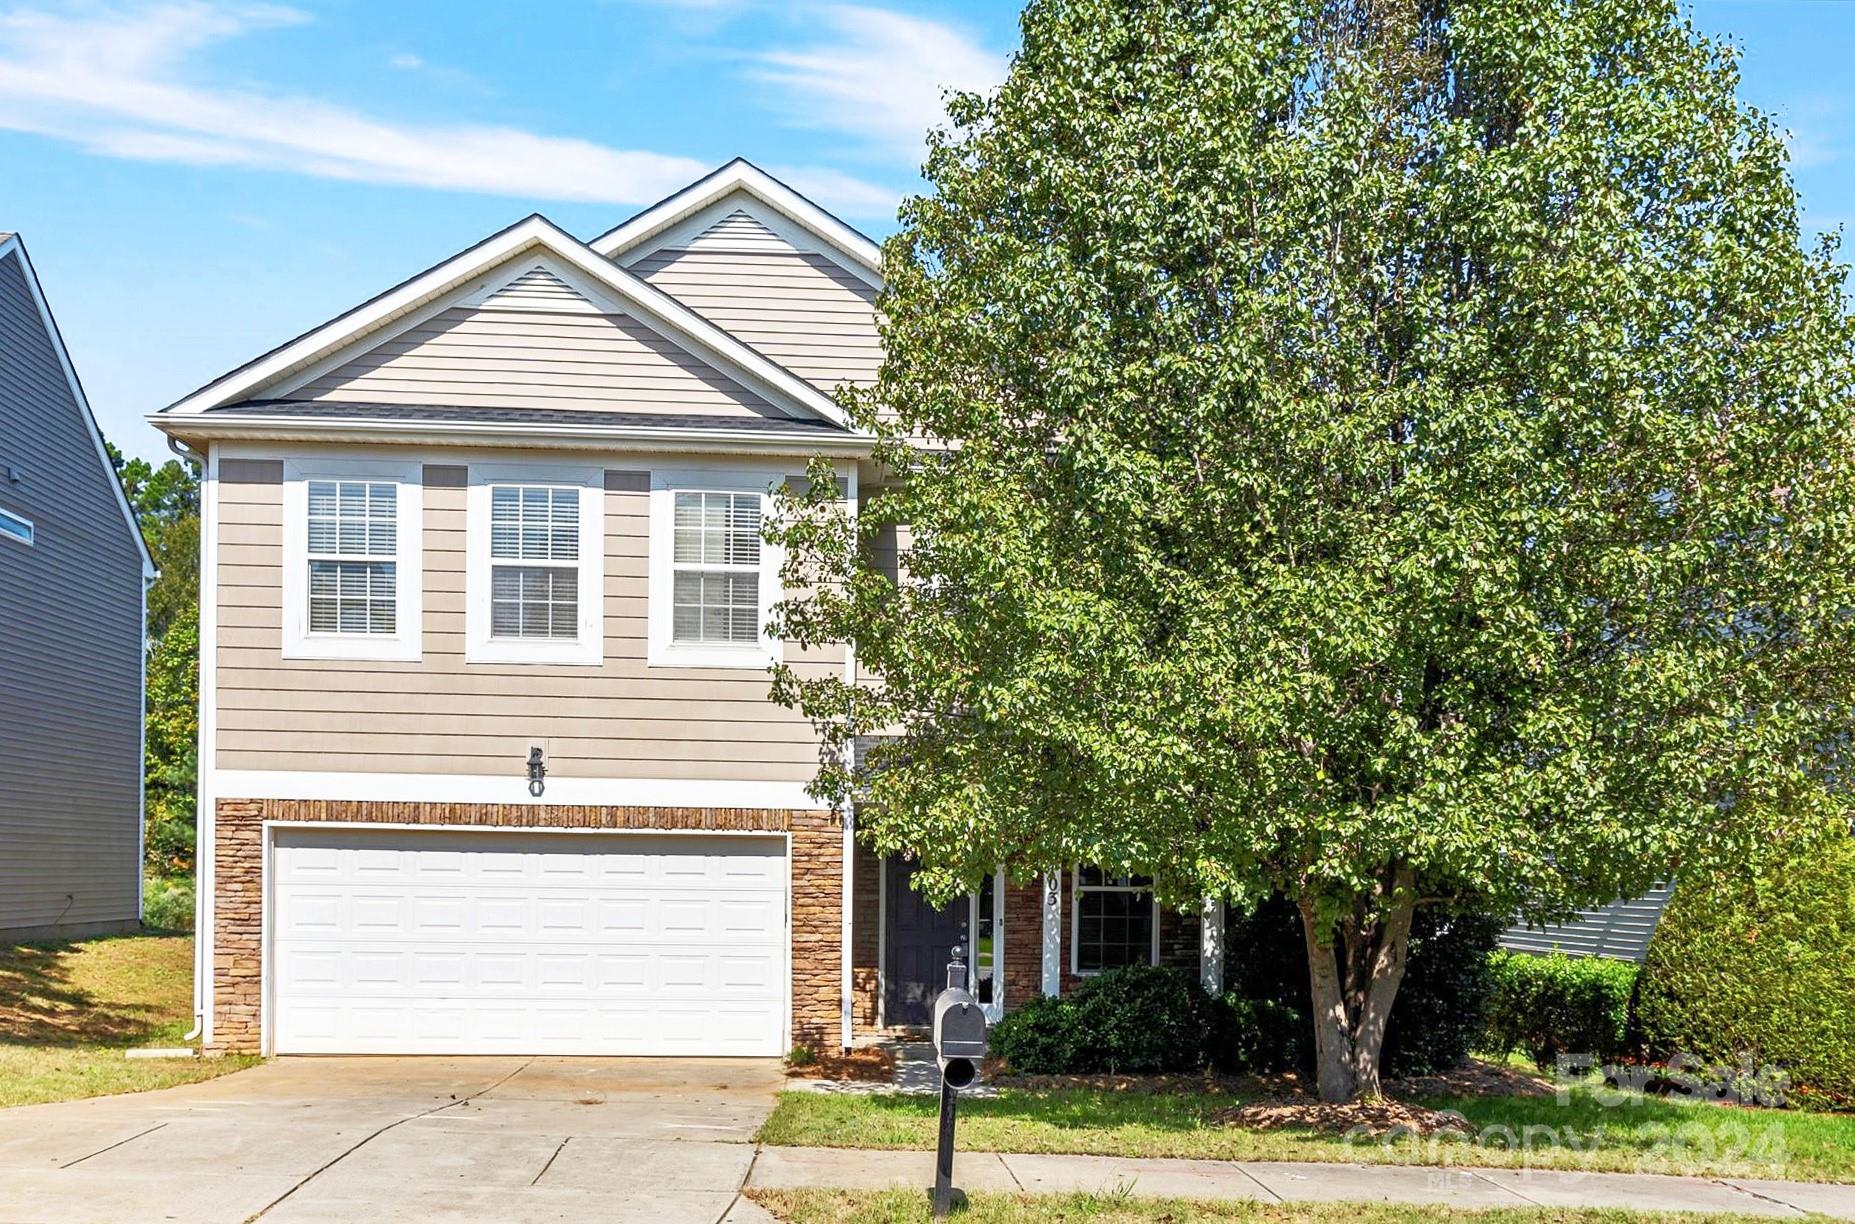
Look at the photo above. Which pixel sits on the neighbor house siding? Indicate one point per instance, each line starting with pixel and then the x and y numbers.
pixel 801 310
pixel 622 719
pixel 70 652
pixel 497 358
pixel 1620 930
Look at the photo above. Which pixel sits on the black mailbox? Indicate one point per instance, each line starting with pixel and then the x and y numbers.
pixel 959 1045
pixel 959 1035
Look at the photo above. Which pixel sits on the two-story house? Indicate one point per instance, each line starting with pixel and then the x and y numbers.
pixel 73 575
pixel 487 758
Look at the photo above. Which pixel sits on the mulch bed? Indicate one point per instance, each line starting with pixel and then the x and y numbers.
pixel 1474 1078
pixel 872 1063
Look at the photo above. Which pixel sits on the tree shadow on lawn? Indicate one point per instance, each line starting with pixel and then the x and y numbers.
pixel 49 995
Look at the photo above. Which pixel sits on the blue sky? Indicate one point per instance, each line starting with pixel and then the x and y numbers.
pixel 198 180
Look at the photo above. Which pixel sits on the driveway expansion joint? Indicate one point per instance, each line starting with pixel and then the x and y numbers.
pixel 351 1150
pixel 112 1147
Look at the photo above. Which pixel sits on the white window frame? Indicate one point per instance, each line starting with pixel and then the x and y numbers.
pixel 587 648
pixel 1076 888
pixel 403 644
pixel 17 528
pixel 994 1010
pixel 662 650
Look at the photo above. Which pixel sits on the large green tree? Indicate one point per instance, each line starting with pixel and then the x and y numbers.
pixel 1389 452
pixel 166 501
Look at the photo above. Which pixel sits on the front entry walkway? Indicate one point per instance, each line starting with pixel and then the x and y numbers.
pixel 343 1139
pixel 793 1168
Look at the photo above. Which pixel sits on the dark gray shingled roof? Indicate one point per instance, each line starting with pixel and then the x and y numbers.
pixel 326 410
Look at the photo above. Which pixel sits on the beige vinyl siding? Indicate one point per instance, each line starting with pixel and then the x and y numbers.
pixel 70 652
pixel 498 358
pixel 622 719
pixel 801 310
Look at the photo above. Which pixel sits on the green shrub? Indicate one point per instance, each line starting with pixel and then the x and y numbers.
pixel 1437 1015
pixel 167 903
pixel 1761 971
pixel 1132 1021
pixel 1436 1018
pixel 1038 1038
pixel 1261 1037
pixel 1546 1006
pixel 1144 1019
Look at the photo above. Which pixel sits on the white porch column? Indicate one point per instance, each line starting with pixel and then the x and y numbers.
pixel 1053 933
pixel 1211 946
pixel 846 997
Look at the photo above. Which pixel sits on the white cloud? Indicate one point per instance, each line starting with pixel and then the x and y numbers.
pixel 406 61
pixel 120 82
pixel 879 75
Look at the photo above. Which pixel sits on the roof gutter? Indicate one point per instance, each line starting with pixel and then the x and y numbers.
pixel 516 435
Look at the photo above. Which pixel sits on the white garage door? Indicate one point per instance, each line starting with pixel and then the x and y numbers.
pixel 417 942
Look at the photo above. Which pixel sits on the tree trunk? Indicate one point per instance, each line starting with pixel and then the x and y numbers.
pixel 1354 969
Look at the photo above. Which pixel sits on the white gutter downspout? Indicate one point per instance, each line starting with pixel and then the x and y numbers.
pixel 198 463
pixel 846 987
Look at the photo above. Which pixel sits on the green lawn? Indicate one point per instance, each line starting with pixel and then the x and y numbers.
pixel 1590 1131
pixel 68 1010
pixel 899 1206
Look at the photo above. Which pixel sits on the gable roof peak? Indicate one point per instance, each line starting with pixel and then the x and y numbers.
pixel 646 231
pixel 451 278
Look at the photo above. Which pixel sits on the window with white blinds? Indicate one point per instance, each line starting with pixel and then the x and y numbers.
pixel 715 567
pixel 352 552
pixel 352 559
pixel 534 562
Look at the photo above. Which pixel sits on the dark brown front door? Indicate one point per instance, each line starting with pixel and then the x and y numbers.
pixel 919 942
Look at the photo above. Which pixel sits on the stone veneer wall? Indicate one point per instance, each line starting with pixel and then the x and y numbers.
pixel 817 883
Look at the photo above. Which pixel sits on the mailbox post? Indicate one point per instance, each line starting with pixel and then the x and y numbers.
pixel 959 1045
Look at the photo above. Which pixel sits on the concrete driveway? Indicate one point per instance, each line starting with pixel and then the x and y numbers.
pixel 453 1139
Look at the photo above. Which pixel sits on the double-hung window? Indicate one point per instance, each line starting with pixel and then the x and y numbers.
pixel 713 577
pixel 535 537
pixel 534 562
pixel 715 587
pixel 1116 923
pixel 353 543
pixel 351 561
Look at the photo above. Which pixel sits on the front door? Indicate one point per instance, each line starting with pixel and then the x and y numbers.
pixel 918 944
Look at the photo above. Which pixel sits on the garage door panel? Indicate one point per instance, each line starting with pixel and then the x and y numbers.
pixel 444 942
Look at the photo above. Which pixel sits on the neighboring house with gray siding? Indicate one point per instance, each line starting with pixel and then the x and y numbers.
pixel 73 574
pixel 1620 930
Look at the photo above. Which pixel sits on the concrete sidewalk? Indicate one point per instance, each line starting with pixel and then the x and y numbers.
pixel 785 1168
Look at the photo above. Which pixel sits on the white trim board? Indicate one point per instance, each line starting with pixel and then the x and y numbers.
pixel 510 787
pixel 13 244
pixel 468 273
pixel 659 225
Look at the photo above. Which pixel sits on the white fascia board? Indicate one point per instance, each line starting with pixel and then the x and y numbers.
pixel 855 251
pixel 654 308
pixel 521 435
pixel 14 245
